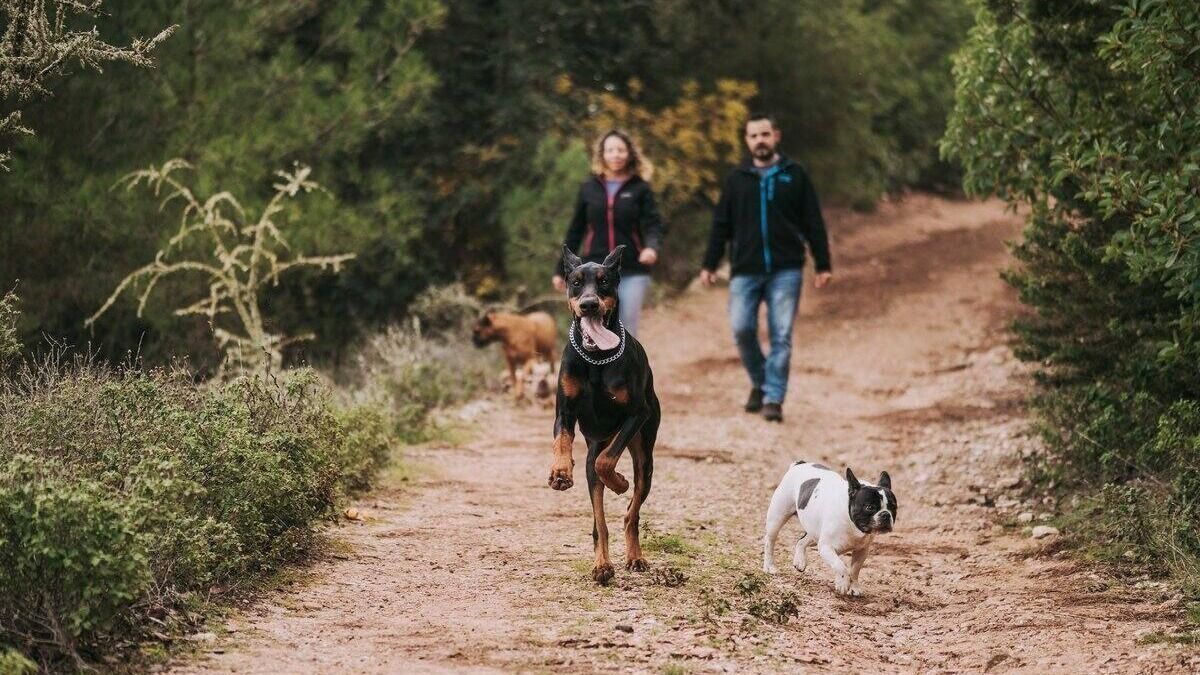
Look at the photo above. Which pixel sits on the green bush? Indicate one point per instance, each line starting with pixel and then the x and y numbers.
pixel 149 491
pixel 411 370
pixel 13 662
pixel 70 560
pixel 1086 112
pixel 10 346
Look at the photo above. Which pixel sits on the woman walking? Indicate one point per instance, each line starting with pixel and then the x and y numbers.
pixel 616 206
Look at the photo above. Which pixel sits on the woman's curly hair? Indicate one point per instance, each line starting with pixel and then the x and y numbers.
pixel 637 165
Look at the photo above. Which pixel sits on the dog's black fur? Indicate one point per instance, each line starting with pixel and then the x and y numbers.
pixel 866 503
pixel 614 405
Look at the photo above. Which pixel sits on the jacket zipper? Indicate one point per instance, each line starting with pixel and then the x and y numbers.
pixel 611 201
pixel 765 184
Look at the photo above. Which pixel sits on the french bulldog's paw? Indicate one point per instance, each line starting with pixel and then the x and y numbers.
pixel 855 590
pixel 636 565
pixel 800 563
pixel 841 584
pixel 602 573
pixel 770 568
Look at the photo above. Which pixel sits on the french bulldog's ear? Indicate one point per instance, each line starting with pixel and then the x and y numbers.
pixel 570 260
pixel 885 481
pixel 850 478
pixel 613 260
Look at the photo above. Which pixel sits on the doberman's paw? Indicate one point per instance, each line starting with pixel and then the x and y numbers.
pixel 636 565
pixel 602 573
pixel 560 479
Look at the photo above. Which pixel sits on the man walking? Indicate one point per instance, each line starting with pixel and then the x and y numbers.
pixel 769 210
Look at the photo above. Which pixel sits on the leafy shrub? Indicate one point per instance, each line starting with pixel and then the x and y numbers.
pixel 10 346
pixel 366 446
pixel 1085 111
pixel 70 561
pixel 127 495
pixel 14 663
pixel 411 370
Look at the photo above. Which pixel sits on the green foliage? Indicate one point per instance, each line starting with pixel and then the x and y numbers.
pixel 148 492
pixel 441 132
pixel 535 213
pixel 860 87
pixel 40 41
pixel 1086 111
pixel 415 369
pixel 236 255
pixel 238 90
pixel 10 345
pixel 14 663
pixel 70 562
pixel 367 445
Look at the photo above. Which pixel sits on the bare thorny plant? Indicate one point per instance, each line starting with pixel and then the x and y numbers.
pixel 38 43
pixel 244 255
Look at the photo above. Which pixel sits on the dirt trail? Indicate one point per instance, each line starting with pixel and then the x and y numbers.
pixel 900 365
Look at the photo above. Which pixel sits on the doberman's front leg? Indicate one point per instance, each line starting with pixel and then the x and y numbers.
pixel 643 468
pixel 606 462
pixel 602 571
pixel 563 467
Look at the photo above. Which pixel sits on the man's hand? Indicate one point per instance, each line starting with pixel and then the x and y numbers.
pixel 560 284
pixel 822 279
pixel 648 256
pixel 708 277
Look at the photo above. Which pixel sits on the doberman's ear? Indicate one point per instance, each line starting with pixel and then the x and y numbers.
pixel 570 260
pixel 885 481
pixel 613 260
pixel 852 480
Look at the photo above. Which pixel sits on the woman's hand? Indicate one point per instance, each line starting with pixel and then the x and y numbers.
pixel 648 256
pixel 560 284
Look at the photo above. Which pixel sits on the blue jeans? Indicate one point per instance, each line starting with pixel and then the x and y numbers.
pixel 781 291
pixel 631 293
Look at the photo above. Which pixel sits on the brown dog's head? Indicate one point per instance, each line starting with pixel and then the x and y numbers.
pixel 484 333
pixel 592 287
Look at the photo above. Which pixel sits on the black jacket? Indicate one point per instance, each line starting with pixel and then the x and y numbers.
pixel 792 218
pixel 634 222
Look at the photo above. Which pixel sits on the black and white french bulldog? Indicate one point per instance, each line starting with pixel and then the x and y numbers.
pixel 839 516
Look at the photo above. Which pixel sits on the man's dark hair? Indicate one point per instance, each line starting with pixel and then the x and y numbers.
pixel 755 117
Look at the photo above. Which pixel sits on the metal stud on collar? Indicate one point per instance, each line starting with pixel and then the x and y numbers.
pixel 597 362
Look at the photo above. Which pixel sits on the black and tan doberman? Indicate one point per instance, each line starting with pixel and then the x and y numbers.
pixel 605 385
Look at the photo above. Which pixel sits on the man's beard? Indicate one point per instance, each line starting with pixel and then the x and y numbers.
pixel 763 152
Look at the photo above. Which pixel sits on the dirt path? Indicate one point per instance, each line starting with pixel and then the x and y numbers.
pixel 901 365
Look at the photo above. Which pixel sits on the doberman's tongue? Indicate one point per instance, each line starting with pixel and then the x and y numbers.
pixel 595 333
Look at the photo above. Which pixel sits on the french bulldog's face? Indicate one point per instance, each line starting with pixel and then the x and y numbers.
pixel 872 507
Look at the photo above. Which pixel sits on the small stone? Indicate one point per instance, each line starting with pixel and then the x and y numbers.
pixel 203 637
pixel 624 628
pixel 1172 603
pixel 1043 531
pixel 1026 517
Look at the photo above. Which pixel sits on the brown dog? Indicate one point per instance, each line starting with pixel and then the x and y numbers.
pixel 524 338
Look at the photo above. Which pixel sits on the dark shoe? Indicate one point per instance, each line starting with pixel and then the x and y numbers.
pixel 773 412
pixel 754 403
